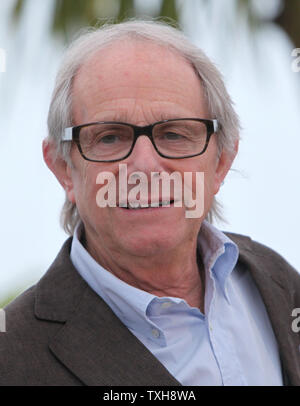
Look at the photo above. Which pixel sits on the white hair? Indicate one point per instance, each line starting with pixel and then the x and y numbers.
pixel 219 103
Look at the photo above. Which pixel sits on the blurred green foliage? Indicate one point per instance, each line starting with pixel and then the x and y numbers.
pixel 289 20
pixel 69 15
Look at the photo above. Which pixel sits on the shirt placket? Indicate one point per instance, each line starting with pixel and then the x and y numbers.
pixel 222 346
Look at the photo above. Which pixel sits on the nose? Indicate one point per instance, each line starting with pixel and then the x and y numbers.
pixel 144 157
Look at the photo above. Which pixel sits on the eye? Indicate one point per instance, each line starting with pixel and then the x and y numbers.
pixel 170 136
pixel 108 139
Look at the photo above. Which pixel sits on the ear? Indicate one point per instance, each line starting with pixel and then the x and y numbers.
pixel 59 167
pixel 223 165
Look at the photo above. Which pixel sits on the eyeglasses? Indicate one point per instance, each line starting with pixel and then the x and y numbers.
pixel 109 141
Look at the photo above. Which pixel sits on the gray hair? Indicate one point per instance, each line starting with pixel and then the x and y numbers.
pixel 92 40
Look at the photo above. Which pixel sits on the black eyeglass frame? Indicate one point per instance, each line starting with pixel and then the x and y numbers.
pixel 72 134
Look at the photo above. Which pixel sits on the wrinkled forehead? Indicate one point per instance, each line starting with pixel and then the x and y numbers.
pixel 129 51
pixel 136 68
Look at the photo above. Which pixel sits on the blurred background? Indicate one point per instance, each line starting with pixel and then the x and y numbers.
pixel 255 45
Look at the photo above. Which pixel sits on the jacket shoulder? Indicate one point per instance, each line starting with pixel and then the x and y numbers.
pixel 26 359
pixel 22 341
pixel 264 258
pixel 247 244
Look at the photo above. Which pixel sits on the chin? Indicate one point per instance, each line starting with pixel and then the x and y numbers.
pixel 150 244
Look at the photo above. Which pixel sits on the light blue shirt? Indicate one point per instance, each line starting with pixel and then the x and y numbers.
pixel 231 344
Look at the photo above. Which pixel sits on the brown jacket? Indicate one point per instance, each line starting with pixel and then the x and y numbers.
pixel 60 332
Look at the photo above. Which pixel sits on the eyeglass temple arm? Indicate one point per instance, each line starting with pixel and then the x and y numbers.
pixel 68 132
pixel 216 125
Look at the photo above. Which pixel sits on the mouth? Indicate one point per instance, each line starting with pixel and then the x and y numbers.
pixel 144 206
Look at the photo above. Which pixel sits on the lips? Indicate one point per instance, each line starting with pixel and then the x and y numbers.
pixel 139 205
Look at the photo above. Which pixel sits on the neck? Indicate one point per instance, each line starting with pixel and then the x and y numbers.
pixel 176 273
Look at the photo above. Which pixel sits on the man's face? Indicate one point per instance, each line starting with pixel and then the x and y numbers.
pixel 139 83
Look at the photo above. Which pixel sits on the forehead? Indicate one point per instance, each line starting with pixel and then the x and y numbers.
pixel 138 72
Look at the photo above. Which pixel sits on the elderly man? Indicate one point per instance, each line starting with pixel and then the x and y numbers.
pixel 146 291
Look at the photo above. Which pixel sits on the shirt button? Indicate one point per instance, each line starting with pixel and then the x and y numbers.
pixel 166 305
pixel 155 333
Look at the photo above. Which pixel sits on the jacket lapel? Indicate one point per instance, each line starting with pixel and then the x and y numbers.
pixel 267 276
pixel 93 343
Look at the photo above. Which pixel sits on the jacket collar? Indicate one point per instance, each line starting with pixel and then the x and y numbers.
pixel 92 342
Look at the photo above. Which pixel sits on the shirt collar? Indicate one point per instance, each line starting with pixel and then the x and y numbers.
pixel 219 254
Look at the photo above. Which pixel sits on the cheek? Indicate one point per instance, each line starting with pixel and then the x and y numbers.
pixel 87 190
pixel 85 187
pixel 207 167
pixel 209 182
